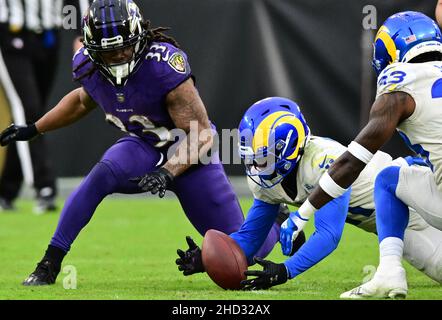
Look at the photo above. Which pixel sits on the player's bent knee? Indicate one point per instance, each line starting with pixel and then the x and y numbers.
pixel 102 178
pixel 423 250
pixel 388 179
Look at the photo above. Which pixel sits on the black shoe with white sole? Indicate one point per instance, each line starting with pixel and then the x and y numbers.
pixel 45 274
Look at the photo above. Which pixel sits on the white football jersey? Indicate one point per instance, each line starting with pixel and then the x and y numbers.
pixel 318 155
pixel 422 131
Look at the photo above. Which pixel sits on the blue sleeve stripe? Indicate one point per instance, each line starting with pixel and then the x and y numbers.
pixel 329 224
pixel 417 148
pixel 253 232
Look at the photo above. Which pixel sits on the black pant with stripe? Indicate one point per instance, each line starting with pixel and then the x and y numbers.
pixel 30 60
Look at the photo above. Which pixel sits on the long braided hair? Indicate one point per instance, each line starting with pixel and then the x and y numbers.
pixel 152 35
pixel 157 35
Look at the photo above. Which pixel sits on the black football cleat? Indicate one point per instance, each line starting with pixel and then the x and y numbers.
pixel 45 274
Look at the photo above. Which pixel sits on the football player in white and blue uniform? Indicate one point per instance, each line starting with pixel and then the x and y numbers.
pixel 408 54
pixel 407 57
pixel 284 163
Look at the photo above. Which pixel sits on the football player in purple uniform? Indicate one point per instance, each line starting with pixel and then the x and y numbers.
pixel 143 83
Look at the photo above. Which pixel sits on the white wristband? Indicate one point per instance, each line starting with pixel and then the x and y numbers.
pixel 306 210
pixel 330 186
pixel 360 152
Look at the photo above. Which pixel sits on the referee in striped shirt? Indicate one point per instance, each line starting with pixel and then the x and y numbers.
pixel 29 43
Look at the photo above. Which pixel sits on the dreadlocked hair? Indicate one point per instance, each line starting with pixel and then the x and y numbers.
pixel 157 35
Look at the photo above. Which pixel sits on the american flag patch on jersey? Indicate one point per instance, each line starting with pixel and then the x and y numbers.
pixel 410 39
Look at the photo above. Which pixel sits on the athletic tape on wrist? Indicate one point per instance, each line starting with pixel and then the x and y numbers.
pixel 306 210
pixel 330 186
pixel 360 152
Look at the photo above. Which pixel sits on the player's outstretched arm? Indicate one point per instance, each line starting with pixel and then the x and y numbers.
pixel 71 108
pixel 388 111
pixel 74 106
pixel 254 230
pixel 329 223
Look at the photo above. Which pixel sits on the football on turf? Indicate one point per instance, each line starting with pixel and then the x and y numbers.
pixel 223 260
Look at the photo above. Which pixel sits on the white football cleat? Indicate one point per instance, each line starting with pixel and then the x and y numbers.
pixel 390 283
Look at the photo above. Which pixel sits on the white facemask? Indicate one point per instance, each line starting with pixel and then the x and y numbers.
pixel 121 71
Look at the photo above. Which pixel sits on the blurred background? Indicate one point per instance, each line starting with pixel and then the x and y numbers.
pixel 317 53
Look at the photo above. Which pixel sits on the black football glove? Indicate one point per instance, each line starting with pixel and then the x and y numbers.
pixel 156 182
pixel 18 133
pixel 191 261
pixel 272 275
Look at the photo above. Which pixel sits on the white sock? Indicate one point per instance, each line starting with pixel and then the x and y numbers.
pixel 390 251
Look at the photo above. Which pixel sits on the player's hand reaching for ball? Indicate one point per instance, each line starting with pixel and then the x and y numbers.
pixel 156 182
pixel 190 261
pixel 272 275
pixel 18 133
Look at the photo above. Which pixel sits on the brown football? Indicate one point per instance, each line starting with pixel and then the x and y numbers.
pixel 223 260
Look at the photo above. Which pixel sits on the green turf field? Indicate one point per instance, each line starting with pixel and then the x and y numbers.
pixel 128 251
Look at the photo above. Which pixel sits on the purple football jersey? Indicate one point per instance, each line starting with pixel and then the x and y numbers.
pixel 138 107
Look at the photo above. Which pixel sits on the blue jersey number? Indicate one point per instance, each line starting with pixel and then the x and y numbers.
pixel 398 76
pixel 436 89
pixel 392 78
